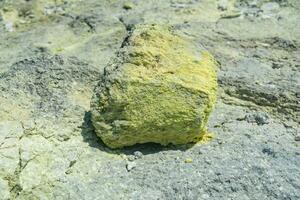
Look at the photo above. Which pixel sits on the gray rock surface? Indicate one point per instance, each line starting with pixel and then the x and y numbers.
pixel 52 54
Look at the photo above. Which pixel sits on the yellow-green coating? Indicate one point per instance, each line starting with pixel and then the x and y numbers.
pixel 159 88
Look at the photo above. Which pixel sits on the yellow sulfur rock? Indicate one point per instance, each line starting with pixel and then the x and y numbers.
pixel 158 88
pixel 128 6
pixel 188 160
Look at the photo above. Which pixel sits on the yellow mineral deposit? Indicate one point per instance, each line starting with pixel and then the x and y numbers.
pixel 160 89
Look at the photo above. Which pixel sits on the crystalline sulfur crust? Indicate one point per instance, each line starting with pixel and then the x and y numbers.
pixel 158 88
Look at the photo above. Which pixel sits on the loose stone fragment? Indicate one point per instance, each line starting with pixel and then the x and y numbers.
pixel 128 6
pixel 259 118
pixel 138 154
pixel 158 88
pixel 188 160
pixel 130 166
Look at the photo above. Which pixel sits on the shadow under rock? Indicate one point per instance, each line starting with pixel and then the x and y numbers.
pixel 89 136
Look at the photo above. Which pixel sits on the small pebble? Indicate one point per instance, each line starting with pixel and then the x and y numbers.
pixel 138 154
pixel 130 166
pixel 254 3
pixel 260 118
pixel 222 5
pixel 297 138
pixel 131 158
pixel 128 6
pixel 188 160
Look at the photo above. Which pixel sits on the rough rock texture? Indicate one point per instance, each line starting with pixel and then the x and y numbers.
pixel 158 88
pixel 51 57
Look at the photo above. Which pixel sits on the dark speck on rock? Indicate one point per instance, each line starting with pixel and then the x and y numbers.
pixel 269 152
